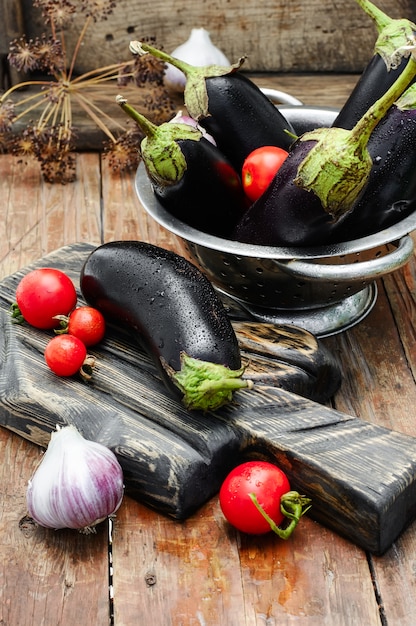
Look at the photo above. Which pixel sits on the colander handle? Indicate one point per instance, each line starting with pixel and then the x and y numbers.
pixel 362 270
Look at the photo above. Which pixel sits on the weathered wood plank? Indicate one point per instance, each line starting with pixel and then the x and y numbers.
pixel 201 571
pixel 38 217
pixel 11 27
pixel 307 35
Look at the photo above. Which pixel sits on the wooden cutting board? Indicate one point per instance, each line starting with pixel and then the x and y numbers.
pixel 174 460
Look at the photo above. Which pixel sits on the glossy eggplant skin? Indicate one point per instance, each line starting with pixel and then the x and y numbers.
pixel 242 118
pixel 390 194
pixel 209 196
pixel 286 215
pixel 373 83
pixel 165 301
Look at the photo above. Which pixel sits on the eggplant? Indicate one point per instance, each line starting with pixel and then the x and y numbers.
pixel 318 185
pixel 173 312
pixel 230 106
pixel 390 194
pixel 389 60
pixel 190 176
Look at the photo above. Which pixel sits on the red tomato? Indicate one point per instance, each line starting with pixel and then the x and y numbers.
pixel 267 482
pixel 259 169
pixel 87 324
pixel 44 293
pixel 65 354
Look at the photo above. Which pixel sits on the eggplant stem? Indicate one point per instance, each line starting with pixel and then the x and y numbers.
pixel 381 19
pixel 394 35
pixel 196 97
pixel 365 126
pixel 146 125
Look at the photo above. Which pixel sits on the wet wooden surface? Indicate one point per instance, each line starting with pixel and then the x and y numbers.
pixel 199 571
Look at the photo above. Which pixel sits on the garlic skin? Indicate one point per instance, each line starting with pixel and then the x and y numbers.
pixel 77 484
pixel 182 118
pixel 197 50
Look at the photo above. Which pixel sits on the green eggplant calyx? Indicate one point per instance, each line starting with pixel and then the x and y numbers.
pixel 338 165
pixel 160 149
pixel 392 43
pixel 195 94
pixel 393 35
pixel 162 154
pixel 407 101
pixel 292 506
pixel 206 386
pixel 335 169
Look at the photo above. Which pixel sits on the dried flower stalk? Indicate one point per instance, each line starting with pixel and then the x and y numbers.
pixel 50 99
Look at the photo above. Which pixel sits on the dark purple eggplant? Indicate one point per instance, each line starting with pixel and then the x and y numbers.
pixel 390 194
pixel 322 179
pixel 389 60
pixel 230 106
pixel 190 176
pixel 173 312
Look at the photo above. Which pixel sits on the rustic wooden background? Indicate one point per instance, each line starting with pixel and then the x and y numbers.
pixel 277 35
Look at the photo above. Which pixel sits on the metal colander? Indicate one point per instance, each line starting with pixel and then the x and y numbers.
pixel 324 289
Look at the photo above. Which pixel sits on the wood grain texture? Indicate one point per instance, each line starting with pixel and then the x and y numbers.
pixel 278 36
pixel 215 576
pixel 175 460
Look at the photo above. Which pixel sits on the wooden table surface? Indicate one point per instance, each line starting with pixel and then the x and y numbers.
pixel 145 568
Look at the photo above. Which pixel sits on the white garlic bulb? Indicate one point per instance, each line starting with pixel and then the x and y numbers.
pixel 77 484
pixel 197 50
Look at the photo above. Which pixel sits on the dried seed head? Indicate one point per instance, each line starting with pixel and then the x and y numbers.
pixel 50 55
pixel 57 12
pixel 59 170
pixel 23 55
pixel 123 155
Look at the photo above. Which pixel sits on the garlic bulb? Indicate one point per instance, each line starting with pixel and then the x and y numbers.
pixel 77 484
pixel 181 118
pixel 197 50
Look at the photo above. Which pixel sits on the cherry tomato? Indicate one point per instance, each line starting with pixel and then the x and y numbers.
pixel 44 293
pixel 259 169
pixel 88 324
pixel 65 354
pixel 267 482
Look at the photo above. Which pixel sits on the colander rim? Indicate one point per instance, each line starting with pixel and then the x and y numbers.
pixel 153 207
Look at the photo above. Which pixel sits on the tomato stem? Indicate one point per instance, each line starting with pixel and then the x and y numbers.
pixel 292 505
pixel 87 367
pixel 16 314
pixel 63 324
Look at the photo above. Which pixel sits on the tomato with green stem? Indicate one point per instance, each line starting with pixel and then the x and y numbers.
pixel 256 498
pixel 41 295
pixel 259 168
pixel 84 322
